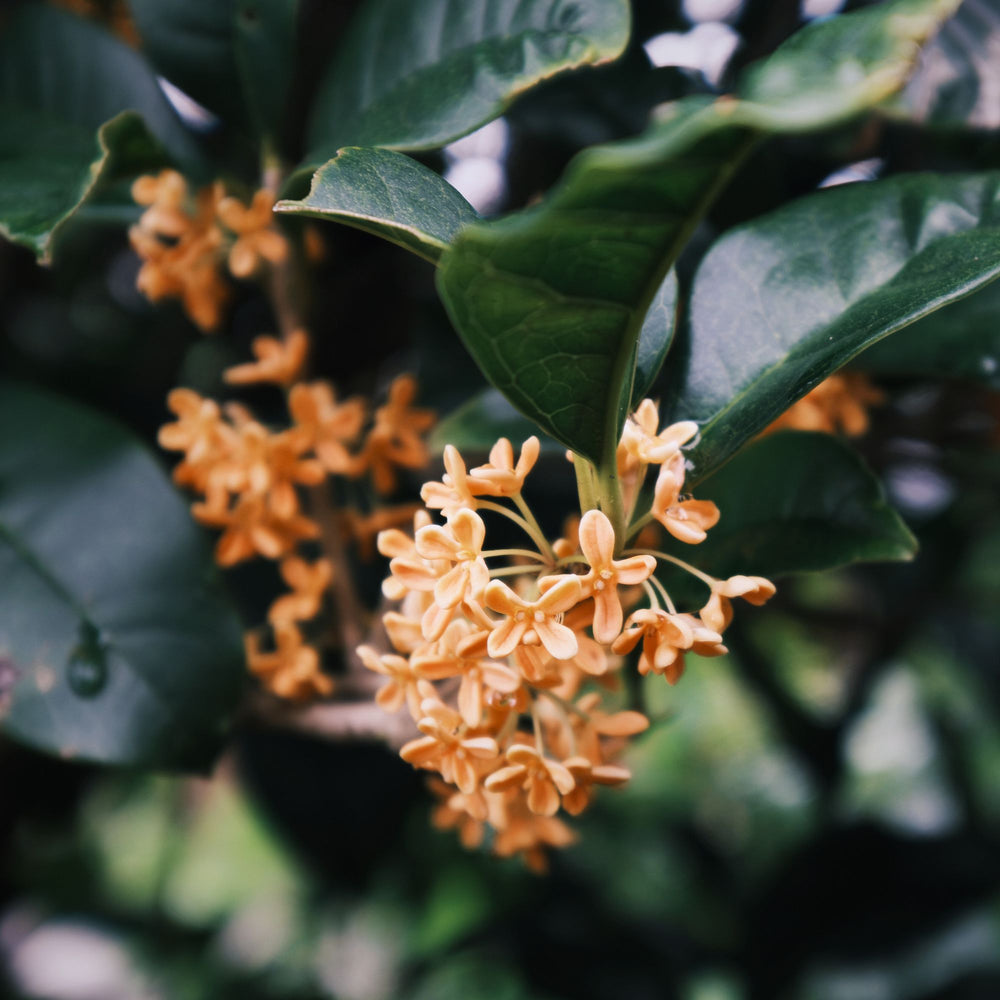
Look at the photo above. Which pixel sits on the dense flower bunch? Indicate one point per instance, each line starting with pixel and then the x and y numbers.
pixel 186 240
pixel 506 668
pixel 838 404
pixel 252 478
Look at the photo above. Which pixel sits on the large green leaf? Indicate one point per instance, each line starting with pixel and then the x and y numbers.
pixel 418 75
pixel 64 85
pixel 233 56
pixel 550 301
pixel 782 302
pixel 116 642
pixel 49 168
pixel 476 425
pixel 390 195
pixel 794 502
pixel 960 341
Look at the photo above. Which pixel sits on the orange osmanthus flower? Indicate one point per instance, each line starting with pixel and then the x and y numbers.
pixel 257 237
pixel 279 361
pixel 292 670
pixel 329 426
pixel 459 542
pixel 308 582
pixel 395 438
pixel 544 780
pixel 526 621
pixel 718 612
pixel 687 520
pixel 597 539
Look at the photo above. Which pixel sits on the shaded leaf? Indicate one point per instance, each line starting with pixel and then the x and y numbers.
pixel 388 194
pixel 655 338
pixel 64 85
pixel 794 502
pixel 784 301
pixel 235 57
pixel 417 76
pixel 960 341
pixel 49 169
pixel 477 424
pixel 120 644
pixel 550 301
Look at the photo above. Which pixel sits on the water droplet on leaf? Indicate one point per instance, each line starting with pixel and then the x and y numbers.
pixel 87 671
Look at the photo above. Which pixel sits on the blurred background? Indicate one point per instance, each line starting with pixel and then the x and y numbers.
pixel 815 816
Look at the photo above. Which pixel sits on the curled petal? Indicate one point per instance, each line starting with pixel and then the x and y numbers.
pixel 560 775
pixel 543 799
pixel 626 723
pixel 607 615
pixel 420 751
pixel 483 747
pixel 635 569
pixel 597 538
pixel 506 777
pixel 505 636
pixel 559 640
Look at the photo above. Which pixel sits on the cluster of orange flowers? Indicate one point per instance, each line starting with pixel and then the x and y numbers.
pixel 186 240
pixel 507 682
pixel 250 478
pixel 838 404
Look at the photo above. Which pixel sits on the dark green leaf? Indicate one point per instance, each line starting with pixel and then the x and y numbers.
pixel 478 424
pixel 390 195
pixel 794 502
pixel 784 301
pixel 550 301
pixel 61 81
pixel 418 75
pixel 655 338
pixel 48 169
pixel 116 642
pixel 960 341
pixel 235 57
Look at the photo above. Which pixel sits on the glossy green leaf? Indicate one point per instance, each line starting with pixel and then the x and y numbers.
pixel 479 423
pixel 550 301
pixel 960 341
pixel 235 57
pixel 419 75
pixel 794 502
pixel 655 338
pixel 49 169
pixel 782 302
pixel 69 98
pixel 115 640
pixel 390 195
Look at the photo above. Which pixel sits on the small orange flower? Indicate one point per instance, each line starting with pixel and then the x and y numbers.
pixel 278 361
pixel 500 477
pixel 718 612
pixel 443 747
pixel 461 543
pixel 642 445
pixel 292 670
pixel 308 583
pixel 395 439
pixel 838 403
pixel 597 539
pixel 462 652
pixel 526 621
pixel 544 780
pixel 664 637
pixel 404 677
pixel 257 237
pixel 455 491
pixel 329 425
pixel 585 776
pixel 687 520
pixel 252 528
